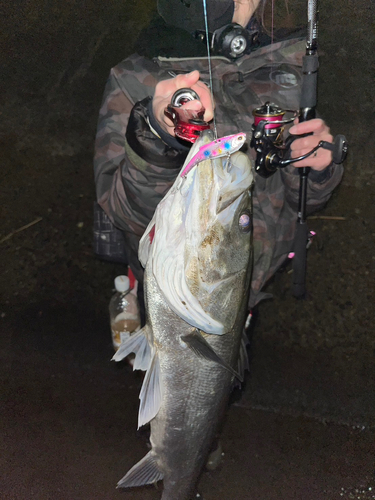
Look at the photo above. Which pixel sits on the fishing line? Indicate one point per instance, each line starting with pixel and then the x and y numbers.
pixel 209 64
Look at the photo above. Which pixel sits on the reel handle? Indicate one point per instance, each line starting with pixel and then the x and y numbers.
pixel 339 148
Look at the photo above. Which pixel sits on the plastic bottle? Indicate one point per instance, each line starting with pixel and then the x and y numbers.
pixel 123 312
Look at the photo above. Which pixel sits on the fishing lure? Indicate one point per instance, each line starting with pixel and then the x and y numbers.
pixel 224 146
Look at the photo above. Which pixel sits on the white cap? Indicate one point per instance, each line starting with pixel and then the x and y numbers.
pixel 122 284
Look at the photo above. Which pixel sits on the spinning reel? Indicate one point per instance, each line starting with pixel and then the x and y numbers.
pixel 188 123
pixel 272 151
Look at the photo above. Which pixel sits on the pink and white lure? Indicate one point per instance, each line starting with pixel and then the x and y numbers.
pixel 224 146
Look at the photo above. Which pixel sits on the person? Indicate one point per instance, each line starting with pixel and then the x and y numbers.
pixel 137 156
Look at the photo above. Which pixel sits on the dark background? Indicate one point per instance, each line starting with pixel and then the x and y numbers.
pixel 303 428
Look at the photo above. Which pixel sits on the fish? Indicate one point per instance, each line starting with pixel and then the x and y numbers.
pixel 197 254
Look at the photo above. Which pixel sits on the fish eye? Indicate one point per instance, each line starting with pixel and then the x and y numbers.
pixel 244 222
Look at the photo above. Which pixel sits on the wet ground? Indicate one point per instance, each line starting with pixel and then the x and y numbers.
pixel 303 427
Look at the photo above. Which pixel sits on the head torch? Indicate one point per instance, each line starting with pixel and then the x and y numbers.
pixel 231 41
pixel 226 39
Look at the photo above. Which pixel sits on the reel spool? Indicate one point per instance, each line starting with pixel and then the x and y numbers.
pixel 188 123
pixel 267 138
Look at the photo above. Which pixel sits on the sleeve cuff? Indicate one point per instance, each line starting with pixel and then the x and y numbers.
pixel 168 139
pixel 321 176
pixel 148 145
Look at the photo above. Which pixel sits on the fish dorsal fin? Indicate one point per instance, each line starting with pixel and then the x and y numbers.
pixel 199 345
pixel 137 343
pixel 144 472
pixel 151 392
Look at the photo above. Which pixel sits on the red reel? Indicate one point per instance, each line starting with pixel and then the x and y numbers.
pixel 188 123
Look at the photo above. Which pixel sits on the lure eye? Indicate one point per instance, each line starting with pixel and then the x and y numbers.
pixel 244 222
pixel 238 140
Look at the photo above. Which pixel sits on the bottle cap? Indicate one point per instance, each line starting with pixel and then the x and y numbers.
pixel 122 284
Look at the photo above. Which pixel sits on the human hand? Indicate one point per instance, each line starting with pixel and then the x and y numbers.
pixel 320 132
pixel 243 11
pixel 164 91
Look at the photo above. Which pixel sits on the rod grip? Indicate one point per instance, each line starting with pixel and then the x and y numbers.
pixel 299 260
pixel 310 65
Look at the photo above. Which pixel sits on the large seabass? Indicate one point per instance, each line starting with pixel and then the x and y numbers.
pixel 197 257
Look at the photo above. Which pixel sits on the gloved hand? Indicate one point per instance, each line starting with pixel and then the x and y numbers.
pixel 243 11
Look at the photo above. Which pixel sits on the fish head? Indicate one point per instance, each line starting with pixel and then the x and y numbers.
pixel 217 253
pixel 200 254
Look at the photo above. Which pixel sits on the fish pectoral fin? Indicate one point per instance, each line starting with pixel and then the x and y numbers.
pixel 197 343
pixel 151 392
pixel 137 343
pixel 144 472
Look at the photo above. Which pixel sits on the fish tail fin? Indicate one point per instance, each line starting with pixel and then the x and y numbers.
pixel 146 471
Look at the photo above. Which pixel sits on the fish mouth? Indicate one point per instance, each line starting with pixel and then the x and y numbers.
pixel 233 178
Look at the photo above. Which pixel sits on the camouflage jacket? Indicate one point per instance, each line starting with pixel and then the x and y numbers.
pixel 134 168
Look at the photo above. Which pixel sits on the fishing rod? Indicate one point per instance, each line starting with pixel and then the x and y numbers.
pixel 310 65
pixel 273 152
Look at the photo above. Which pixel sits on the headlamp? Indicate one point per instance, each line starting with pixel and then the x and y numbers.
pixel 231 41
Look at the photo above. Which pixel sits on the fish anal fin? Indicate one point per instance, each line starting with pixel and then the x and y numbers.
pixel 151 392
pixel 197 343
pixel 137 343
pixel 144 472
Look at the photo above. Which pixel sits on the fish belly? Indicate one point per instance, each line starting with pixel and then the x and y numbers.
pixel 195 395
pixel 184 429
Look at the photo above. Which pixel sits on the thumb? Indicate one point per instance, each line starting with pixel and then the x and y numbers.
pixel 187 80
